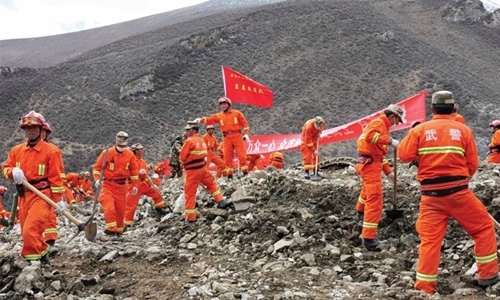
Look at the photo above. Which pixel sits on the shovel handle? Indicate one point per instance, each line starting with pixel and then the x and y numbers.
pixel 395 170
pixel 51 202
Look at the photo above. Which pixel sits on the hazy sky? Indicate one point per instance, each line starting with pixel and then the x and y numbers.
pixel 35 18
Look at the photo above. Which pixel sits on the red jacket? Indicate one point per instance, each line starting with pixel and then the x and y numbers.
pixel 375 138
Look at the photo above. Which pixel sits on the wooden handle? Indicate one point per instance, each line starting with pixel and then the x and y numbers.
pixel 51 202
pixel 395 170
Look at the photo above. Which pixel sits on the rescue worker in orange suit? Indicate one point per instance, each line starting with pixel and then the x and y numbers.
pixel 494 146
pixel 145 187
pixel 193 159
pixel 255 162
pixel 71 183
pixel 212 146
pixel 50 234
pixel 120 169
pixel 84 188
pixel 372 146
pixel 309 147
pixel 220 153
pixel 456 116
pixel 159 169
pixel 41 165
pixel 235 131
pixel 277 160
pixel 447 158
pixel 4 215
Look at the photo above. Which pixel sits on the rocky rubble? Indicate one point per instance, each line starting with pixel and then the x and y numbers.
pixel 289 238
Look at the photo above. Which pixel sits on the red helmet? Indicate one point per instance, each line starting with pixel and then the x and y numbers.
pixel 225 99
pixel 32 118
pixel 47 127
pixel 3 190
pixel 495 123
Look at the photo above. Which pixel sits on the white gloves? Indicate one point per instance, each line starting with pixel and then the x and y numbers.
pixel 197 120
pixel 246 138
pixel 97 184
pixel 61 207
pixel 394 142
pixel 18 175
pixel 390 177
pixel 142 172
pixel 135 190
pixel 316 152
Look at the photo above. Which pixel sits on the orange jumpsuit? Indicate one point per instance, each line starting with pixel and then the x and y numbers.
pixel 458 117
pixel 42 166
pixel 212 145
pixel 120 167
pixel 277 160
pixel 3 213
pixel 447 158
pixel 360 205
pixel 71 182
pixel 144 188
pixel 255 162
pixel 372 147
pixel 85 185
pixel 231 122
pixel 310 137
pixel 494 156
pixel 192 156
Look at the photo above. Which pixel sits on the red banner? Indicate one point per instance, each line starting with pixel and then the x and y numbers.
pixel 241 89
pixel 413 110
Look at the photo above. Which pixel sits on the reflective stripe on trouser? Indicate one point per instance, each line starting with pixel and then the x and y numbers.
pixel 235 143
pixel 308 158
pixel 33 215
pixel 371 189
pixel 132 201
pixel 192 181
pixel 50 232
pixel 431 226
pixel 68 194
pixel 212 157
pixel 113 202
pixel 360 204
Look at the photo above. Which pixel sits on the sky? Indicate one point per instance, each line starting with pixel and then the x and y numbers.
pixel 36 18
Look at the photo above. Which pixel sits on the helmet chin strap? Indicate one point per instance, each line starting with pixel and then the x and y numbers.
pixel 32 143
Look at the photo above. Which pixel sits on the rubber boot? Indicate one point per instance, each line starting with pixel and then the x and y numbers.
pixel 226 203
pixel 372 244
pixel 307 175
pixel 488 282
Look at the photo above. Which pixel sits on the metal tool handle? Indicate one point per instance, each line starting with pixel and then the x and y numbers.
pixel 395 170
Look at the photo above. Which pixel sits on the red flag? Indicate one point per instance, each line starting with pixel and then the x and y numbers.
pixel 241 89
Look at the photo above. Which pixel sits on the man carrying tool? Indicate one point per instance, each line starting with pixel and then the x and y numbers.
pixel 84 188
pixel 309 147
pixel 447 159
pixel 212 145
pixel 145 186
pixel 277 160
pixel 41 165
pixel 119 168
pixel 372 146
pixel 235 131
pixel 193 159
pixel 494 146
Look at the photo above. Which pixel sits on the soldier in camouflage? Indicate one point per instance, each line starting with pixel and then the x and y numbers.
pixel 175 149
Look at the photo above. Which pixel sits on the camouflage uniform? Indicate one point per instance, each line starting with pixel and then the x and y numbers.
pixel 175 164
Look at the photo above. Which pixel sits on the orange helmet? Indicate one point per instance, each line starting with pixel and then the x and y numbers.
pixel 32 118
pixel 225 100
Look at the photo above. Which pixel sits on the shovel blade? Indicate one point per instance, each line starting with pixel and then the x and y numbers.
pixel 90 231
pixel 316 178
pixel 394 213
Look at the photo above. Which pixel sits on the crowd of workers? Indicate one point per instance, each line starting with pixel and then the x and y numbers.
pixel 442 148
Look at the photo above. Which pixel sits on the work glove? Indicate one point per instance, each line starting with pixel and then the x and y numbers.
pixel 135 190
pixel 394 142
pixel 142 172
pixel 246 138
pixel 97 183
pixel 390 177
pixel 18 175
pixel 197 120
pixel 316 152
pixel 82 191
pixel 61 207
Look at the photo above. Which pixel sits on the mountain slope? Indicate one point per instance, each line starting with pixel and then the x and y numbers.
pixel 339 59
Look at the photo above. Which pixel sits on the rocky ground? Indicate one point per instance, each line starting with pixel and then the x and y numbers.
pixel 291 238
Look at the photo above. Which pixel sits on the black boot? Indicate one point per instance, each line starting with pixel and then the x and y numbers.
pixel 373 244
pixel 161 212
pixel 307 175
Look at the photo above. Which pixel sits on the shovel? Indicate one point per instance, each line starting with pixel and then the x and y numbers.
pixel 89 227
pixel 395 213
pixel 315 176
